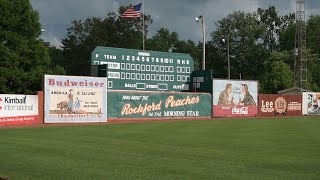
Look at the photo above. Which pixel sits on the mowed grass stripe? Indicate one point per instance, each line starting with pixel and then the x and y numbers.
pixel 284 148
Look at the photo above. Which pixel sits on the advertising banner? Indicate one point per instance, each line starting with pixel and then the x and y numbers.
pixel 16 109
pixel 159 105
pixel 311 103
pixel 234 98
pixel 280 105
pixel 75 99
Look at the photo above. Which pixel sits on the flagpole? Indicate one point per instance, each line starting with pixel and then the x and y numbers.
pixel 143 48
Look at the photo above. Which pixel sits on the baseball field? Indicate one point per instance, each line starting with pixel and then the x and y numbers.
pixel 253 148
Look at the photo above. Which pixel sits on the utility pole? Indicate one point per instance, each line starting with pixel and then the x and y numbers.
pixel 201 18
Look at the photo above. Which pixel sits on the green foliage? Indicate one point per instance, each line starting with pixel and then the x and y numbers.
pixel 313 34
pixel 247 53
pixel 167 41
pixel 24 58
pixel 278 75
pixel 162 41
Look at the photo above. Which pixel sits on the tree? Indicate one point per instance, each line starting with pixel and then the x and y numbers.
pixel 167 41
pixel 163 40
pixel 273 25
pixel 242 32
pixel 112 31
pixel 278 74
pixel 313 33
pixel 24 58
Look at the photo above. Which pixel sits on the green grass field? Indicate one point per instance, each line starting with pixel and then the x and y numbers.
pixel 284 148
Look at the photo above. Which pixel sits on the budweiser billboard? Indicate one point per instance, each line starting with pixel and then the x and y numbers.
pixel 234 98
pixel 280 105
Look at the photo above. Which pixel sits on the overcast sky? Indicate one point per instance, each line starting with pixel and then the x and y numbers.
pixel 176 15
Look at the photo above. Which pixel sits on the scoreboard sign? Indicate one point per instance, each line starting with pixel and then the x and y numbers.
pixel 130 69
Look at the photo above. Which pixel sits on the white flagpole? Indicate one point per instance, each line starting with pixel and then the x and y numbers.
pixel 143 48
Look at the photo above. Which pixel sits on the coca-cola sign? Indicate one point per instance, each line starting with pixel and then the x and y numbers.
pixel 234 111
pixel 234 98
pixel 240 110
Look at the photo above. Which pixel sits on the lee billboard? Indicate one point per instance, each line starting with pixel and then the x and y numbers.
pixel 280 105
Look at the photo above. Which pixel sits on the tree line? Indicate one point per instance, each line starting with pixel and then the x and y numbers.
pixel 261 46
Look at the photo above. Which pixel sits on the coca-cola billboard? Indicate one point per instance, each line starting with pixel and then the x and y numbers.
pixel 234 98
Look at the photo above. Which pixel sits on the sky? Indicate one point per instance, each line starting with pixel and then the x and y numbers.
pixel 176 15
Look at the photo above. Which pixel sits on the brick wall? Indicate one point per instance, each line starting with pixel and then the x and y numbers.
pixel 41 106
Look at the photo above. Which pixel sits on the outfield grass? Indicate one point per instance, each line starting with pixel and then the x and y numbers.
pixel 285 148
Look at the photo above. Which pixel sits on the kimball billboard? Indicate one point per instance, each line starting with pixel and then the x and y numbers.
pixel 159 105
pixel 75 99
pixel 18 109
pixel 234 98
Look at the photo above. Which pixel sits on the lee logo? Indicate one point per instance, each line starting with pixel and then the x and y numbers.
pixel 280 106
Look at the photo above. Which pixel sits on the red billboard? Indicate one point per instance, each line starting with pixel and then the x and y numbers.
pixel 280 105
pixel 234 98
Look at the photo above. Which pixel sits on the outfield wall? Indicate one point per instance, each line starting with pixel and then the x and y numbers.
pixel 273 105
pixel 125 105
pixel 18 109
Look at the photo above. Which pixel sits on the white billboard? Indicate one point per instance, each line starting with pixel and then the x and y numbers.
pixel 234 98
pixel 311 103
pixel 18 109
pixel 75 99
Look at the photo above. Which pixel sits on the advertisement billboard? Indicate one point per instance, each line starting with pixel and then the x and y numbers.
pixel 311 103
pixel 279 105
pixel 159 105
pixel 75 99
pixel 234 98
pixel 138 70
pixel 16 109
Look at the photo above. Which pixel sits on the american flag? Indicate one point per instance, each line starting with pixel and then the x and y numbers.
pixel 132 12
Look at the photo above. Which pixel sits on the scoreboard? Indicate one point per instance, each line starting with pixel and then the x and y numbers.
pixel 130 69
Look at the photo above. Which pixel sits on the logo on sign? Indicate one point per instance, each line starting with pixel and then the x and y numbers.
pixel 242 110
pixel 280 106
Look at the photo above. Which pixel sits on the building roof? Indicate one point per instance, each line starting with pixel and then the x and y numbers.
pixel 294 89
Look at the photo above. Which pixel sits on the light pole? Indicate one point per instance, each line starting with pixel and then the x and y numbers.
pixel 201 18
pixel 228 54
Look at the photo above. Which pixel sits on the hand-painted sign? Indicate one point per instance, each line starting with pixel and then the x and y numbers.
pixel 158 105
pixel 75 99
pixel 311 103
pixel 280 105
pixel 234 98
